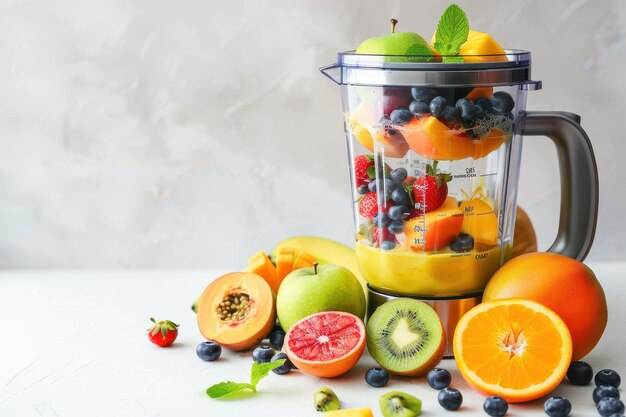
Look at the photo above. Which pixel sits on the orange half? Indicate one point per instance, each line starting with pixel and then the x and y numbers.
pixel 517 349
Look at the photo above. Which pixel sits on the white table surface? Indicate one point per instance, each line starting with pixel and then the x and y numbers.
pixel 74 344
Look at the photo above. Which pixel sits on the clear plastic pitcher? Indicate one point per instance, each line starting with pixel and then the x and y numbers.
pixel 434 153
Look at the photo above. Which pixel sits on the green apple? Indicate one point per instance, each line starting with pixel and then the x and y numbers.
pixel 323 287
pixel 400 43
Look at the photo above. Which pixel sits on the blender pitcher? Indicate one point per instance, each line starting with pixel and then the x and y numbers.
pixel 434 152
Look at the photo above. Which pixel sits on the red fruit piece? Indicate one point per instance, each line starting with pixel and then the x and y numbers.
pixel 430 190
pixel 383 234
pixel 396 98
pixel 163 333
pixel 363 174
pixel 368 206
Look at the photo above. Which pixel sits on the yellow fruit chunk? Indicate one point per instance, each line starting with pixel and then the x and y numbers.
pixel 361 121
pixel 304 260
pixel 480 221
pixel 350 412
pixel 515 348
pixel 260 264
pixel 436 229
pixel 284 263
pixel 480 44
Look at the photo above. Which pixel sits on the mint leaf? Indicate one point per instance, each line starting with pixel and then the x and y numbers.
pixel 260 370
pixel 452 32
pixel 419 52
pixel 225 388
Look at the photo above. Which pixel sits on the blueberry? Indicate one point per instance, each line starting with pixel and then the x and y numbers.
pixel 396 226
pixel 438 378
pixel 579 373
pixel 610 405
pixel 208 351
pixel 438 106
pixel 285 367
pixel 262 354
pixel 557 407
pixel 377 377
pixel 502 102
pixel 608 377
pixel 401 197
pixel 495 406
pixel 419 108
pixel 423 94
pixel 467 109
pixel 605 391
pixel 400 116
pixel 450 399
pixel 484 105
pixel 363 189
pixel 462 243
pixel 371 187
pixel 277 337
pixel 381 219
pixel 397 212
pixel 387 245
pixel 398 175
pixel 451 115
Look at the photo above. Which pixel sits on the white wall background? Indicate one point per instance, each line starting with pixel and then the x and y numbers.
pixel 160 133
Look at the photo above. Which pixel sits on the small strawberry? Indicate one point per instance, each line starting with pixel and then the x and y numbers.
pixel 430 189
pixel 363 169
pixel 163 333
pixel 368 206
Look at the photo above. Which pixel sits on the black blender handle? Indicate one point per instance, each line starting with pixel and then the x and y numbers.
pixel 579 179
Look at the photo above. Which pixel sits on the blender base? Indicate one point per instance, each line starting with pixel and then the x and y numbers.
pixel 450 310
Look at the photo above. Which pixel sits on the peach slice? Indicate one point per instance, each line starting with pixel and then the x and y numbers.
pixel 261 265
pixel 284 263
pixel 436 229
pixel 480 221
pixel 395 146
pixel 360 122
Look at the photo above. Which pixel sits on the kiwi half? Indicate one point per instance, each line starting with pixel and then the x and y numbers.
pixel 406 337
pixel 400 404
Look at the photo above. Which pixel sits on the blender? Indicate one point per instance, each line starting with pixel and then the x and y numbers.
pixel 434 185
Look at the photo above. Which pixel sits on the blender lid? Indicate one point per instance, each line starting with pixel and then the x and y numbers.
pixel 401 70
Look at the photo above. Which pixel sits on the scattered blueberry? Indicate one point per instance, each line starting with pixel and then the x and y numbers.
pixel 419 108
pixel 450 399
pixel 286 367
pixel 610 405
pixel 483 105
pixel 262 354
pixel 396 212
pixel 371 187
pixel 608 377
pixel 579 373
pixel 462 243
pixel 277 337
pixel 398 175
pixel 468 123
pixel 502 102
pixel 557 407
pixel 396 226
pixel 208 351
pixel 363 189
pixel 467 109
pixel 401 197
pixel 377 377
pixel 495 406
pixel 381 219
pixel 400 116
pixel 423 94
pixel 451 115
pixel 438 106
pixel 438 378
pixel 387 245
pixel 604 391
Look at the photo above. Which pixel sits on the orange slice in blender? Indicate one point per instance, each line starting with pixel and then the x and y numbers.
pixel 517 349
pixel 433 139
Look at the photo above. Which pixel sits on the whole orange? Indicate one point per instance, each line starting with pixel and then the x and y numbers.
pixel 563 284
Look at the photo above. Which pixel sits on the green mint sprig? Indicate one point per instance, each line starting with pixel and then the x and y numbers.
pixel 452 32
pixel 258 372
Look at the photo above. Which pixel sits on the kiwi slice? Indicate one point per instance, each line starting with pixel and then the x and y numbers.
pixel 400 404
pixel 405 336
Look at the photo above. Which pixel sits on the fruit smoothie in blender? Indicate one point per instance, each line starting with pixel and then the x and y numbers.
pixel 434 134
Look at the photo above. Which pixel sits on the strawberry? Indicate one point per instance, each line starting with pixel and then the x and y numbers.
pixel 363 169
pixel 430 189
pixel 383 233
pixel 163 333
pixel 368 206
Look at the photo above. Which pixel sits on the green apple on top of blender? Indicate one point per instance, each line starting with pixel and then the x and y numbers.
pixel 395 43
pixel 320 288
